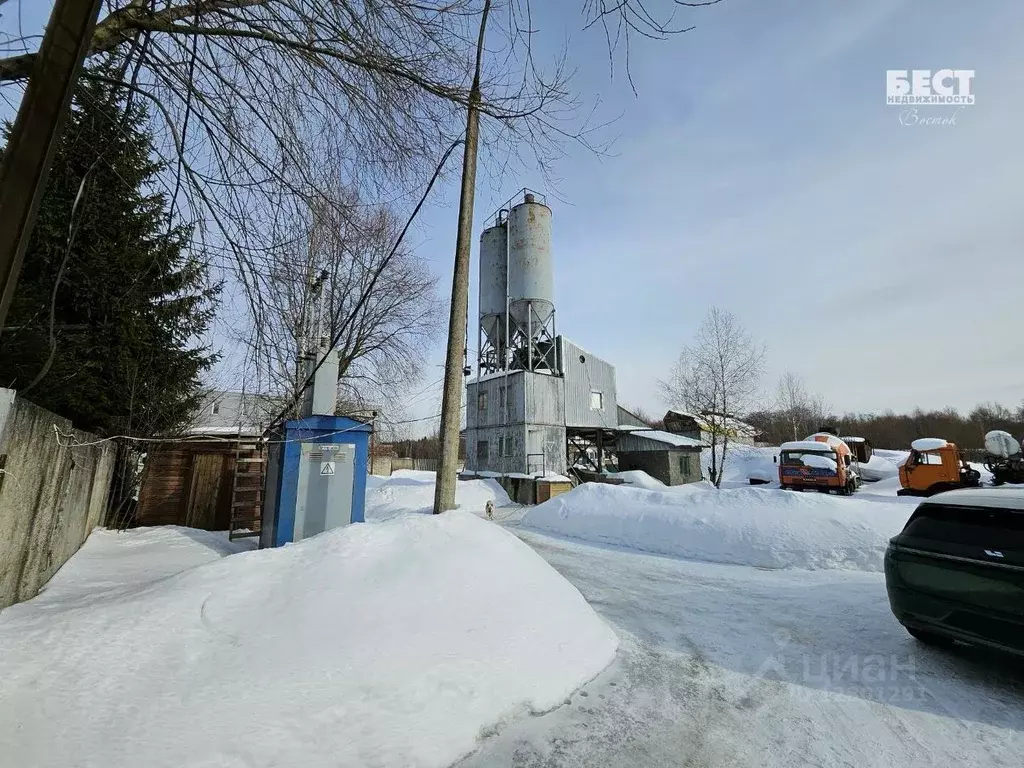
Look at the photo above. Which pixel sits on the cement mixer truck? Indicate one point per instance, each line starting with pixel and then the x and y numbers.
pixel 820 462
pixel 1003 457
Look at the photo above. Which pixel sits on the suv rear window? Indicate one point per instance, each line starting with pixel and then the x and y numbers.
pixel 971 526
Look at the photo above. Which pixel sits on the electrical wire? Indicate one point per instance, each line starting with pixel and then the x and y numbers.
pixel 200 438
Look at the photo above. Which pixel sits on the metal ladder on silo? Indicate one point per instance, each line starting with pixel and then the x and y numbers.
pixel 247 489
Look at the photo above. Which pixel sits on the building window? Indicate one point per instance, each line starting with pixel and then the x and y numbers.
pixel 505 445
pixel 481 402
pixel 216 408
pixel 684 464
pixel 501 397
pixel 596 401
pixel 481 452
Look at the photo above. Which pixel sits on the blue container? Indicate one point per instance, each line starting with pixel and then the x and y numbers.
pixel 316 478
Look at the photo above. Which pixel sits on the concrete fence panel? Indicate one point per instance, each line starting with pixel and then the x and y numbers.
pixel 52 494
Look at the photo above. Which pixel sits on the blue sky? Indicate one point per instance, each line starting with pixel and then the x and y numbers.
pixel 760 170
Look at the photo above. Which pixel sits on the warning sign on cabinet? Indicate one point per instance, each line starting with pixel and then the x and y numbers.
pixel 327 468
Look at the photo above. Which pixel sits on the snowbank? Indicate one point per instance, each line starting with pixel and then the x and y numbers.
pixel 409 490
pixel 744 462
pixel 380 644
pixel 747 526
pixel 878 468
pixel 639 479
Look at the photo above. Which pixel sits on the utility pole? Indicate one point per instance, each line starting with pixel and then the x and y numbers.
pixel 41 117
pixel 451 404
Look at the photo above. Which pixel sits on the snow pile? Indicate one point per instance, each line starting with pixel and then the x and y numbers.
pixel 409 490
pixel 747 526
pixel 878 468
pixel 744 462
pixel 637 478
pixel 381 644
pixel 817 461
pixel 928 444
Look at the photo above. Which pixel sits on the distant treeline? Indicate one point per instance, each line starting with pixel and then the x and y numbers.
pixel 897 430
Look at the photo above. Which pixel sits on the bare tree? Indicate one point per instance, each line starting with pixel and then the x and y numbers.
pixel 338 279
pixel 249 97
pixel 802 411
pixel 717 377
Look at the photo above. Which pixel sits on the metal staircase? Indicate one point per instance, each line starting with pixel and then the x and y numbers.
pixel 247 488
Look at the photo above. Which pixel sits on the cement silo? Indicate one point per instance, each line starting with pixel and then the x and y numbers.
pixel 493 286
pixel 530 274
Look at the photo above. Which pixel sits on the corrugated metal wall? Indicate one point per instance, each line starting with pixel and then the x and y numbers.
pixel 490 415
pixel 585 374
pixel 534 424
pixel 492 460
pixel 548 441
pixel 545 399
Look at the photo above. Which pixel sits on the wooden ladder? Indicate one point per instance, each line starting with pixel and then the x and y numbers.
pixel 247 489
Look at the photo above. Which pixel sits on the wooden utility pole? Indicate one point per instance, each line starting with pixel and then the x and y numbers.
pixel 41 117
pixel 451 404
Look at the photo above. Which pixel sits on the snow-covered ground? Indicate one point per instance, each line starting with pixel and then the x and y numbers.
pixel 756 526
pixel 731 666
pixel 415 639
pixel 394 643
pixel 410 490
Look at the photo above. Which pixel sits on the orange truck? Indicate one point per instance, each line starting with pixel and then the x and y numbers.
pixel 933 466
pixel 821 462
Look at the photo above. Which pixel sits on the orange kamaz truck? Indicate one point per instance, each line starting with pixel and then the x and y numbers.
pixel 820 462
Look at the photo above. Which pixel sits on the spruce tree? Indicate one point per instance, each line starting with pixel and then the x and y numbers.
pixel 132 301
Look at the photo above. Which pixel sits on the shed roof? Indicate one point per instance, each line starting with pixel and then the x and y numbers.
pixel 657 435
pixel 730 422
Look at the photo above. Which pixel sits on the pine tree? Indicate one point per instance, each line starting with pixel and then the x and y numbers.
pixel 131 301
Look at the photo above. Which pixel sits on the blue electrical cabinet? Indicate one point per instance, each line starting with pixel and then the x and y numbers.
pixel 316 478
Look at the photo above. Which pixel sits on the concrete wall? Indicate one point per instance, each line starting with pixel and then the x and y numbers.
pixel 51 495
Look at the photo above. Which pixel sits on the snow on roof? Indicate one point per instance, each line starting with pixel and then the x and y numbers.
pixel 243 430
pixel 853 439
pixel 730 422
pixel 928 444
pixel 805 445
pixel 679 441
pixel 828 438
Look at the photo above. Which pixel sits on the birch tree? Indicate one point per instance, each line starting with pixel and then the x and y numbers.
pixel 717 377
pixel 802 411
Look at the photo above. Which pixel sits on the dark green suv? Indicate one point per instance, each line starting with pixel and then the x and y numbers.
pixel 956 571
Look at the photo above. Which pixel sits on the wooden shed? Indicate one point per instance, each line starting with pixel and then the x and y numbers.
pixel 211 483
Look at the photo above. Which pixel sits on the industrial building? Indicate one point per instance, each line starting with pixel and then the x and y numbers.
pixel 540 403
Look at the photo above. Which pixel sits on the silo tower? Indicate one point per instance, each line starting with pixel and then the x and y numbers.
pixel 531 313
pixel 493 298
